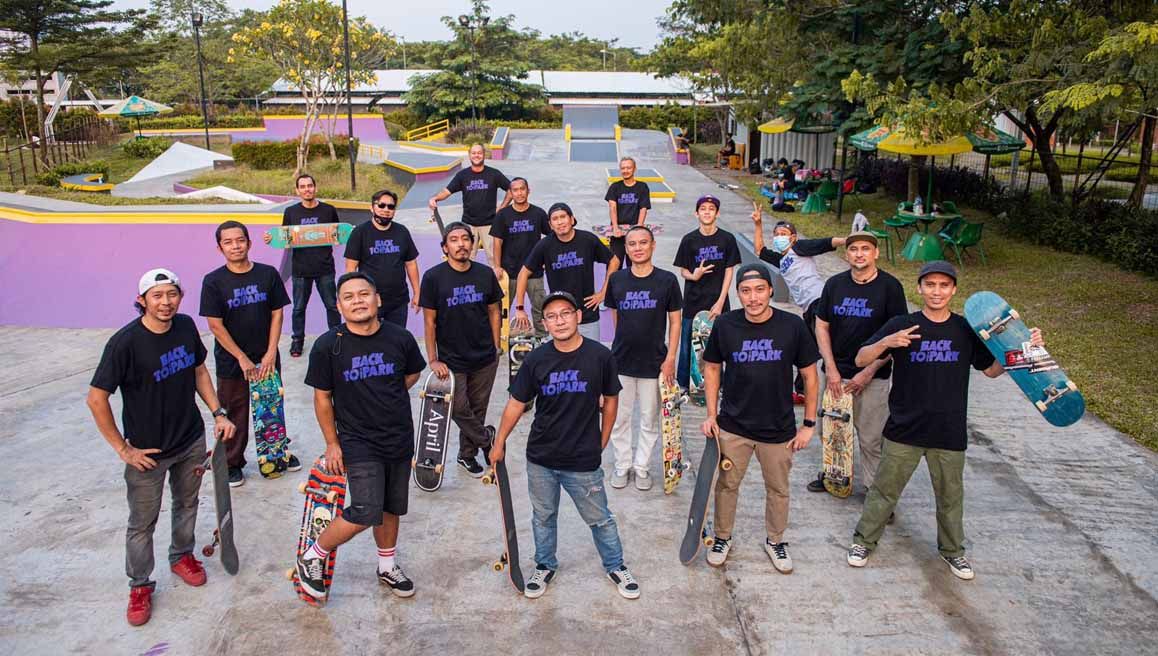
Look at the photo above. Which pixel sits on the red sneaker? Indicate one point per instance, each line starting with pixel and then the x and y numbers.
pixel 190 570
pixel 797 398
pixel 140 605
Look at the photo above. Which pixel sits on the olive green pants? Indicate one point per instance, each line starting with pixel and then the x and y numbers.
pixel 898 462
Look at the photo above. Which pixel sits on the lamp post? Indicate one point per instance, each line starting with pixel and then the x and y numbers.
pixel 349 101
pixel 198 20
pixel 471 25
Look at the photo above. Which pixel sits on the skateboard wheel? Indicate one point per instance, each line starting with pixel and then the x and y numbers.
pixel 726 464
pixel 422 394
pixel 302 487
pixel 289 573
pixel 207 551
pixel 1041 406
pixel 438 468
pixel 983 334
pixel 1013 313
pixel 1070 386
pixel 414 463
pixel 488 479
pixel 709 540
pixel 200 471
pixel 497 566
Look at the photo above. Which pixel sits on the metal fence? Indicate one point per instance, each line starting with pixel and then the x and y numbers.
pixel 22 163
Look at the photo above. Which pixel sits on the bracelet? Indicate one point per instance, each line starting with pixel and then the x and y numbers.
pixel 809 423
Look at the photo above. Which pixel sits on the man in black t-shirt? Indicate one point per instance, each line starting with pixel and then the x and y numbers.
pixel 573 383
pixel 706 259
pixel 460 301
pixel 756 348
pixel 361 372
pixel 568 257
pixel 312 265
pixel 932 352
pixel 645 305
pixel 853 305
pixel 383 249
pixel 242 301
pixel 516 230
pixel 158 363
pixel 480 186
pixel 628 202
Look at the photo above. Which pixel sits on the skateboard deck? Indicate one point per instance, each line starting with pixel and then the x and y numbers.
pixel 605 232
pixel 521 345
pixel 325 494
pixel 836 432
pixel 505 313
pixel 436 219
pixel 223 504
pixel 509 559
pixel 697 534
pixel 430 441
pixel 1034 370
pixel 701 329
pixel 671 397
pixel 302 236
pixel 267 405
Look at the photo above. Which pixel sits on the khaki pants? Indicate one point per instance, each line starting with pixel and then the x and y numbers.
pixel 480 235
pixel 775 465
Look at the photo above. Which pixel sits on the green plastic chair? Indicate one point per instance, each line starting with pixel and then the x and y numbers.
pixel 949 207
pixel 898 222
pixel 883 235
pixel 968 236
pixel 951 229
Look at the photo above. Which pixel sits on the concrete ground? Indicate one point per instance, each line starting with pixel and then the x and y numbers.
pixel 1061 529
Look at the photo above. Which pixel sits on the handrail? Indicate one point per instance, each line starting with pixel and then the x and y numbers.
pixel 429 131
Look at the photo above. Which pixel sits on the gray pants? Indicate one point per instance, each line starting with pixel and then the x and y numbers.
pixel 472 397
pixel 590 330
pixel 536 292
pixel 144 495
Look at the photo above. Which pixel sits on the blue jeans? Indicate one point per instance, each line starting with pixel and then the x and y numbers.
pixel 326 290
pixel 586 490
pixel 684 359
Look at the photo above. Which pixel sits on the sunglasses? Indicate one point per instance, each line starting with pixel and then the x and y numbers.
pixel 385 206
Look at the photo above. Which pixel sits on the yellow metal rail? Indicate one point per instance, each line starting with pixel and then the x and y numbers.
pixel 431 131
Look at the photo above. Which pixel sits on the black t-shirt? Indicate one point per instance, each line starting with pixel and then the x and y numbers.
pixel 931 380
pixel 719 249
pixel 480 193
pixel 641 306
pixel 566 432
pixel 855 311
pixel 158 382
pixel 570 265
pixel 367 376
pixel 383 255
pixel 461 298
pixel 245 303
pixel 311 261
pixel 629 201
pixel 520 231
pixel 802 247
pixel 757 381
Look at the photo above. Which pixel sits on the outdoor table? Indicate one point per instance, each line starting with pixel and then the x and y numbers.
pixel 923 246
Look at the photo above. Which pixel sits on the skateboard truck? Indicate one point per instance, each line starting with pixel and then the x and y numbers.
pixel 839 416
pixel 997 326
pixel 1052 393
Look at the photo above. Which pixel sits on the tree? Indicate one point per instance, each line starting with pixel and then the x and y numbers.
pixel 303 39
pixel 69 36
pixel 1128 61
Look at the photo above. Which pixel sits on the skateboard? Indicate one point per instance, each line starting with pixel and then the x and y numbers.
pixel 430 440
pixel 509 559
pixel 604 232
pixel 223 504
pixel 836 440
pixel 701 329
pixel 698 532
pixel 671 397
pixel 521 344
pixel 505 313
pixel 325 495
pixel 436 219
pixel 1034 370
pixel 267 405
pixel 302 236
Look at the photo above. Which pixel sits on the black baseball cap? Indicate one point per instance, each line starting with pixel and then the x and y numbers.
pixel 750 271
pixel 938 266
pixel 561 296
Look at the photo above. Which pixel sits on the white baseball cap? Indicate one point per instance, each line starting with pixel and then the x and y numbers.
pixel 154 277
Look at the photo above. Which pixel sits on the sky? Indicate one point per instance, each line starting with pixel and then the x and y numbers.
pixel 600 19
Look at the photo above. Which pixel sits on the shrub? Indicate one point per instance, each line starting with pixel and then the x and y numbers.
pixel 190 122
pixel 960 185
pixel 661 117
pixel 146 148
pixel 52 177
pixel 469 133
pixel 266 155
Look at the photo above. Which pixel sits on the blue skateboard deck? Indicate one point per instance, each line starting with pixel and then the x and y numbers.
pixel 1034 370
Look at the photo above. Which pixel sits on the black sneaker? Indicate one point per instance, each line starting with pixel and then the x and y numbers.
pixel 296 347
pixel 537 584
pixel 624 582
pixel 399 584
pixel 817 485
pixel 236 477
pixel 310 576
pixel 471 466
pixel 292 463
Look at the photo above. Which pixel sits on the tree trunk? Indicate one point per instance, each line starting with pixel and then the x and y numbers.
pixel 1145 153
pixel 1041 135
pixel 915 164
pixel 34 46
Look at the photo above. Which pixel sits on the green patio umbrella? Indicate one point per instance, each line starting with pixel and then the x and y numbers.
pixel 136 107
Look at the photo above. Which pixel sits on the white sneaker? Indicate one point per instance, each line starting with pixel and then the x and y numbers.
pixel 719 551
pixel 642 480
pixel 858 555
pixel 619 478
pixel 624 582
pixel 960 567
pixel 779 554
pixel 537 584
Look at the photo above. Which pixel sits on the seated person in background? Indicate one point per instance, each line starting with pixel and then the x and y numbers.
pixel 727 151
pixel 779 204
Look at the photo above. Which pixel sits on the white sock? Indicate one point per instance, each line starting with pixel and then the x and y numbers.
pixel 315 551
pixel 386 559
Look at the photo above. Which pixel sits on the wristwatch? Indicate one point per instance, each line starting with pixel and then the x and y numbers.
pixel 220 412
pixel 519 307
pixel 808 423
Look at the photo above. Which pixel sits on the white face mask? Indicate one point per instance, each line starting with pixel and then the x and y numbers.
pixel 780 243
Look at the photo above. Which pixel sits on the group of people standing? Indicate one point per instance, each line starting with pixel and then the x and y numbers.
pixel 584 393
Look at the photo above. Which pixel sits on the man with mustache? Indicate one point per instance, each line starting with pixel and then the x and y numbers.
pixel 480 186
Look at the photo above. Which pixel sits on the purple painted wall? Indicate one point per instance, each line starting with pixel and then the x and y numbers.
pixel 369 129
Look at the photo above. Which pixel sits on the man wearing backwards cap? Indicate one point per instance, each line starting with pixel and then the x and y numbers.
pixel 932 351
pixel 853 305
pixel 706 258
pixel 158 362
pixel 756 348
pixel 568 257
pixel 573 381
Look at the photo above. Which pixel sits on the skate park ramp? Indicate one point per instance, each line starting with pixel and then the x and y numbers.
pixel 592 132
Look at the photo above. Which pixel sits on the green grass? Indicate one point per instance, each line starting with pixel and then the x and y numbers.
pixel 333 179
pixel 1100 321
pixel 102 198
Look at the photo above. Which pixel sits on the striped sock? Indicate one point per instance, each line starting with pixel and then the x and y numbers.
pixel 386 559
pixel 315 551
